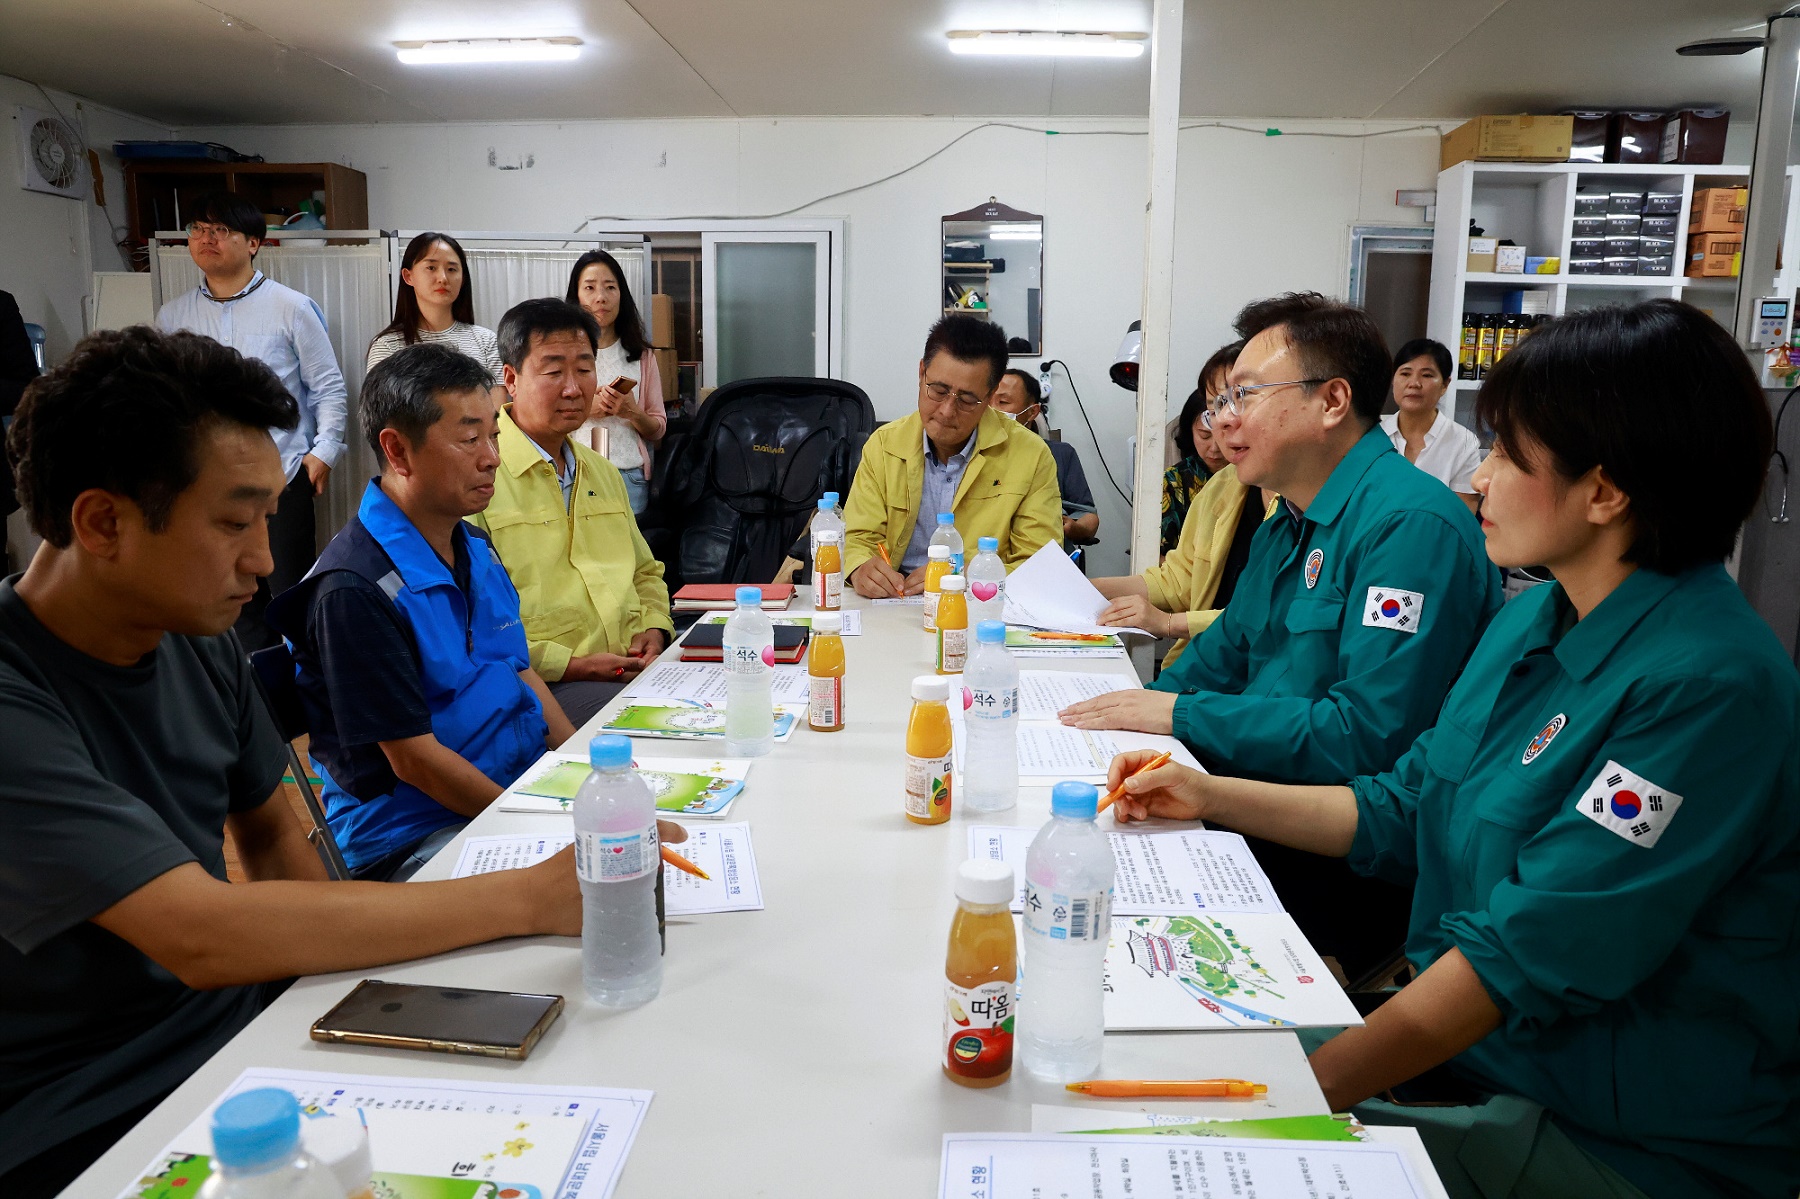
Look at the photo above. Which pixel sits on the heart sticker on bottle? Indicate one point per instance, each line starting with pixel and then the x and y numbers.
pixel 968 699
pixel 984 591
pixel 768 655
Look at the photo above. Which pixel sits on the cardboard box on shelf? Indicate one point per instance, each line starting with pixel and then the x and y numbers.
pixel 1718 210
pixel 1715 255
pixel 1509 260
pixel 1543 266
pixel 1482 252
pixel 1518 138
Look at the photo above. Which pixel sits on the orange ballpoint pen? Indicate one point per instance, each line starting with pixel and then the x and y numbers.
pixel 1203 1088
pixel 1112 796
pixel 680 863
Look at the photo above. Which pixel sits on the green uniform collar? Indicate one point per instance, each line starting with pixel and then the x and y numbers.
pixel 1346 475
pixel 1584 648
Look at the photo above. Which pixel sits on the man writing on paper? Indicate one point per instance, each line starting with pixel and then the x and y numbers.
pixel 1360 603
pixel 955 455
pixel 134 737
pixel 591 594
pixel 412 657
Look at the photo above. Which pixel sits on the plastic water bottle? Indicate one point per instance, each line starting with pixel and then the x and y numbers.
pixel 341 1145
pixel 827 519
pixel 617 858
pixel 1068 921
pixel 987 583
pixel 990 781
pixel 947 535
pixel 750 669
pixel 257 1153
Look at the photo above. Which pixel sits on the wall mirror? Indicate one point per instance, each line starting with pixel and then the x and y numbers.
pixel 993 268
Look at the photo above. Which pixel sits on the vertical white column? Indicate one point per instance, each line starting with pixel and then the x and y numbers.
pixel 1768 167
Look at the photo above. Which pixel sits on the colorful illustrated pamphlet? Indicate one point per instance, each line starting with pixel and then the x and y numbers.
pixel 682 786
pixel 685 721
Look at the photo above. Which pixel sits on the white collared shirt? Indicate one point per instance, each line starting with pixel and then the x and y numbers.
pixel 1450 453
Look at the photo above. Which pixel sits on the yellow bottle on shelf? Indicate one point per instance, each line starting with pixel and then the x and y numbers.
pixel 937 565
pixel 952 625
pixel 825 673
pixel 828 572
pixel 928 754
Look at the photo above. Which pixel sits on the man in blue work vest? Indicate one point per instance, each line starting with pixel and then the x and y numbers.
pixel 1362 599
pixel 412 656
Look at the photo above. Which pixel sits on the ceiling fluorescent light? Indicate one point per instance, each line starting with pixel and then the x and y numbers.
pixel 1062 43
pixel 490 49
pixel 1002 233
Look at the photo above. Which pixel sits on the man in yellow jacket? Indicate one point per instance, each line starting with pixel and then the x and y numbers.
pixel 592 597
pixel 953 455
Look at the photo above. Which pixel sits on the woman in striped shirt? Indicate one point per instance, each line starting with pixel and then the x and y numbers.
pixel 436 303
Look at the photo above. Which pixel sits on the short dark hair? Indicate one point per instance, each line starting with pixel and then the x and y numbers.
pixel 401 393
pixel 230 210
pixel 1616 387
pixel 1033 392
pixel 1184 424
pixel 629 324
pixel 1420 347
pixel 1223 359
pixel 540 318
pixel 969 339
pixel 1330 340
pixel 126 413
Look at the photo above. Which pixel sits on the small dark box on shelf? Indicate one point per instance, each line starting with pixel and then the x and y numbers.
pixel 1587 140
pixel 1662 203
pixel 1695 135
pixel 1620 266
pixel 1659 226
pixel 1625 200
pixel 1621 247
pixel 1587 247
pixel 1658 264
pixel 1623 224
pixel 1592 201
pixel 1590 226
pixel 1635 136
pixel 1585 266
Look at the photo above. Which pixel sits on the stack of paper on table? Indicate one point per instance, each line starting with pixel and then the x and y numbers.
pixel 687 720
pixel 1050 752
pixel 708 683
pixel 722 850
pixel 852 620
pixel 1199 937
pixel 437 1138
pixel 1048 591
pixel 693 787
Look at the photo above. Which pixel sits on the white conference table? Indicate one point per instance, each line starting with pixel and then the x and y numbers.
pixel 793 1050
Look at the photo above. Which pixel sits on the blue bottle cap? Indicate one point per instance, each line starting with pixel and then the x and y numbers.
pixel 609 751
pixel 947 518
pixel 1074 801
pixel 991 632
pixel 831 496
pixel 749 595
pixel 256 1128
pixel 988 545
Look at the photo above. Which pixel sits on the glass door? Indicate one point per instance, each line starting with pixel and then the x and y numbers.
pixel 766 305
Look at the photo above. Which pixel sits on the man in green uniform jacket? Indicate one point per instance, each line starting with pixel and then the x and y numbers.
pixel 1360 603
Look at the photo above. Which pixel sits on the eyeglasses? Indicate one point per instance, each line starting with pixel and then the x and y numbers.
pixel 967 400
pixel 204 232
pixel 1234 398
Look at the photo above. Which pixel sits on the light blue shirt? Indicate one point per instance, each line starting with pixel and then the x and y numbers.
pixel 937 493
pixel 285 331
pixel 565 470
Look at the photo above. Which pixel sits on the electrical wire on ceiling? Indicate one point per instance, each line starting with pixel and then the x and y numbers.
pixel 1265 132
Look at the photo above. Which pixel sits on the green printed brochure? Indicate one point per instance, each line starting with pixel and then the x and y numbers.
pixel 183 1173
pixel 1277 1128
pixel 681 721
pixel 690 794
pixel 1018 638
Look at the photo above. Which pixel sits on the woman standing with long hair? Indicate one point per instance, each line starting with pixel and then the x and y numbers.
pixel 633 417
pixel 436 303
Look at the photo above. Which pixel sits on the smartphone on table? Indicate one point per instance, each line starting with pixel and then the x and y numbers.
pixel 439 1019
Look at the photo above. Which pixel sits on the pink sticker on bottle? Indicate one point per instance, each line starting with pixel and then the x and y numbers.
pixel 984 591
pixel 768 655
pixel 968 699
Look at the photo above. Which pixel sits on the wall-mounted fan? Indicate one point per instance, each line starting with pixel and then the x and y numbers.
pixel 52 154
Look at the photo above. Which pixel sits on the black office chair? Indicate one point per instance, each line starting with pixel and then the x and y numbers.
pixel 275 678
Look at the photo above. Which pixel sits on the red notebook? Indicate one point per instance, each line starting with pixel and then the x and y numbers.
pixel 718 597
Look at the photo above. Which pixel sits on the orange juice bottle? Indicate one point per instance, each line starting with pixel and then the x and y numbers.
pixel 928 760
pixel 952 625
pixel 937 565
pixel 825 671
pixel 828 572
pixel 980 971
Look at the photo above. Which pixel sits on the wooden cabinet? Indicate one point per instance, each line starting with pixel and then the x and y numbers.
pixel 159 193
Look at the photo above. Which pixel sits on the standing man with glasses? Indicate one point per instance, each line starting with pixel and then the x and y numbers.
pixel 238 306
pixel 955 455
pixel 1364 595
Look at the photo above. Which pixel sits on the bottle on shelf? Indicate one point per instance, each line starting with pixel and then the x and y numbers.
pixel 257 1153
pixel 749 658
pixel 617 858
pixel 937 565
pixel 952 625
pixel 828 571
pixel 1068 920
pixel 1489 332
pixel 929 764
pixel 981 968
pixel 987 582
pixel 825 674
pixel 1507 337
pixel 990 777
pixel 947 535
pixel 1471 342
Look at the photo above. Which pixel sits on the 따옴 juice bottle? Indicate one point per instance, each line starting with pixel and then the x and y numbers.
pixel 928 761
pixel 980 971
pixel 825 673
pixel 952 625
pixel 828 572
pixel 937 565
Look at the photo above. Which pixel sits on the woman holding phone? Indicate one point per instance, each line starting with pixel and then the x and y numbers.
pixel 436 302
pixel 628 413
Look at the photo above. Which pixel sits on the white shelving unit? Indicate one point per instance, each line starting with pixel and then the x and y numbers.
pixel 1534 205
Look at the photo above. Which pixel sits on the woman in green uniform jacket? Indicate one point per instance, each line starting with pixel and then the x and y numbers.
pixel 1603 828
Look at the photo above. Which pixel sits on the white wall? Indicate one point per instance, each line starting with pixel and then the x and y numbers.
pixel 50 245
pixel 1259 214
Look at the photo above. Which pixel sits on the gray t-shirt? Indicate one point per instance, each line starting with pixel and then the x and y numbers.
pixel 113 776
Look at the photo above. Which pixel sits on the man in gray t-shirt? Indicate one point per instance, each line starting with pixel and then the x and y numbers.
pixel 133 737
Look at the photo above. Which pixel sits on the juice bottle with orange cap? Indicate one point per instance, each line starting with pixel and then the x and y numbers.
pixel 952 625
pixel 937 565
pixel 928 751
pixel 825 673
pixel 981 969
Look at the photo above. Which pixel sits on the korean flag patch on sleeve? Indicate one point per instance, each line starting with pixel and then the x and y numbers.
pixel 1629 804
pixel 1389 608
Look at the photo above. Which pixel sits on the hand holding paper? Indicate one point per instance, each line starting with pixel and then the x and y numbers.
pixel 1048 591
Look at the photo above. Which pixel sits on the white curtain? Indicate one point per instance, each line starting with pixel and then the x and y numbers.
pixel 504 271
pixel 350 285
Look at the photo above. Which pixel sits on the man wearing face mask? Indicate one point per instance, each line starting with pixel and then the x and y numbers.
pixel 1018 397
